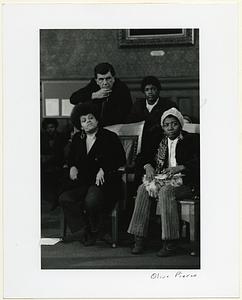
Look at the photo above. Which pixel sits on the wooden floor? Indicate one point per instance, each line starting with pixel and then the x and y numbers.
pixel 102 256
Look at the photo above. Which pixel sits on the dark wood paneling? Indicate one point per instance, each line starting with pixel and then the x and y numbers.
pixel 183 91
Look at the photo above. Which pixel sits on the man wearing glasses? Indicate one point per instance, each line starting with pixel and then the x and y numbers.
pixel 109 94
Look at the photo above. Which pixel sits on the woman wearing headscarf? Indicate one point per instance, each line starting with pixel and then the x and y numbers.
pixel 95 157
pixel 171 167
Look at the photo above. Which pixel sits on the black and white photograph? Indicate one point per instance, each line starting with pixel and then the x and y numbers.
pixel 120 151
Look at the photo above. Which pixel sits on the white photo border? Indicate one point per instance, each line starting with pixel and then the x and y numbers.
pixel 219 273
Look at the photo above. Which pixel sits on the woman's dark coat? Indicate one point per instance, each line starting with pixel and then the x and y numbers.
pixel 187 154
pixel 107 153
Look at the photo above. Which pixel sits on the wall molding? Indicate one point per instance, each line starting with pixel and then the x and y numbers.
pixel 167 83
pixel 184 91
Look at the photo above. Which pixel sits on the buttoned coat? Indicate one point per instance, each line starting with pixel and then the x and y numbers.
pixel 107 153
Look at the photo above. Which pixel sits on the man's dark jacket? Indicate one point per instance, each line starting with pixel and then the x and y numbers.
pixel 117 105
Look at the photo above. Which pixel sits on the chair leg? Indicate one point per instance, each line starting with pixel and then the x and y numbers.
pixel 114 227
pixel 192 229
pixel 190 214
pixel 63 226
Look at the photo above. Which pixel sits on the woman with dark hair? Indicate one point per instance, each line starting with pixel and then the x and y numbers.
pixel 95 157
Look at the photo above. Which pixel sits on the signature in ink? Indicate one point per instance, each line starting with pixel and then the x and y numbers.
pixel 178 275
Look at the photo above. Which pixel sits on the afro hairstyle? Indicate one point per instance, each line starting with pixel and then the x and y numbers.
pixel 82 109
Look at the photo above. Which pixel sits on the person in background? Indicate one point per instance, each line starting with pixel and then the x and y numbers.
pixel 110 95
pixel 52 159
pixel 52 144
pixel 150 110
pixel 95 183
pixel 174 156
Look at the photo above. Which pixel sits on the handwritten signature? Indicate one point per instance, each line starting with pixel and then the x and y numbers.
pixel 178 275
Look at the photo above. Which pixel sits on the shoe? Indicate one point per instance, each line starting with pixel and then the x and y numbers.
pixel 76 236
pixel 167 250
pixel 138 246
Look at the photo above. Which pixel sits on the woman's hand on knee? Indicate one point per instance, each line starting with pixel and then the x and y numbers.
pixel 73 173
pixel 100 177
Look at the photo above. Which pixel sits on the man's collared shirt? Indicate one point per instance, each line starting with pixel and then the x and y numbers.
pixel 172 152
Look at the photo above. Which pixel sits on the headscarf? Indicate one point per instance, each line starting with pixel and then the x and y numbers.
pixel 172 112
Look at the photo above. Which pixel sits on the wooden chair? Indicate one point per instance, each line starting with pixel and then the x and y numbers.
pixel 130 136
pixel 190 208
pixel 190 213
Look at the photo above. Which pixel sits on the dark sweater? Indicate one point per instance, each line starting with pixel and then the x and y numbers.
pixel 117 105
pixel 152 119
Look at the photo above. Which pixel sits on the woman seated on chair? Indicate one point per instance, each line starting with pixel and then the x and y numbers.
pixel 95 157
pixel 171 172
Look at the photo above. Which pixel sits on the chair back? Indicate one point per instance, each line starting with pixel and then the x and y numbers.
pixel 192 128
pixel 130 136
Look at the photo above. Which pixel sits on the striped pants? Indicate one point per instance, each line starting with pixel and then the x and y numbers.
pixel 166 208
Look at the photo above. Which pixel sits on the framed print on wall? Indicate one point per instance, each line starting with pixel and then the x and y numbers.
pixel 155 37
